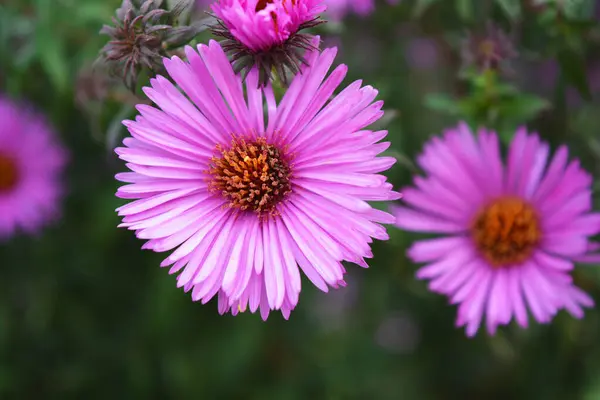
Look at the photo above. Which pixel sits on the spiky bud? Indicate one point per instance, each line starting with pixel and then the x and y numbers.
pixel 140 36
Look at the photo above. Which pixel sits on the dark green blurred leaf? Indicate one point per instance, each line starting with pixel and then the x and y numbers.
pixel 573 68
pixel 421 6
pixel 464 9
pixel 54 60
pixel 512 8
pixel 523 108
pixel 442 103
pixel 548 16
pixel 94 12
pixel 578 9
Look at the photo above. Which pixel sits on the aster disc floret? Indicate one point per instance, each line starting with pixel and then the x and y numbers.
pixel 247 200
pixel 31 165
pixel 266 34
pixel 253 175
pixel 512 231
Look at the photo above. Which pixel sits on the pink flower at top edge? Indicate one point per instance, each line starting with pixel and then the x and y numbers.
pixel 266 33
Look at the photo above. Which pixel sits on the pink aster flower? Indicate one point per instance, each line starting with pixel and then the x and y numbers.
pixel 245 201
pixel 31 163
pixel 512 231
pixel 266 33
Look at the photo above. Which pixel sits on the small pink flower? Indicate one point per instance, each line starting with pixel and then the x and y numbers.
pixel 247 202
pixel 266 33
pixel 512 231
pixel 31 164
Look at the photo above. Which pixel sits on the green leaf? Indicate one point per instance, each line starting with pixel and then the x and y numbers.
pixel 572 66
pixel 94 12
pixel 578 9
pixel 512 8
pixel 548 16
pixel 54 61
pixel 506 135
pixel 464 9
pixel 24 56
pixel 421 6
pixel 442 103
pixel 523 108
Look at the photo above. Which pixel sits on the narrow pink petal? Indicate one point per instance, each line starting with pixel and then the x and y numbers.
pixel 243 277
pixel 499 303
pixel 274 267
pixel 288 257
pixel 516 296
pixel 237 258
pixel 472 309
pixel 453 259
pixel 551 262
pixel 417 221
pixel 434 249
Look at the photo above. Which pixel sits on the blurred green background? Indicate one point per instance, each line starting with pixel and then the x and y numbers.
pixel 84 313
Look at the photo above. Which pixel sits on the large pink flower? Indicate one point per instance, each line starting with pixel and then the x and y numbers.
pixel 31 163
pixel 247 203
pixel 512 231
pixel 266 33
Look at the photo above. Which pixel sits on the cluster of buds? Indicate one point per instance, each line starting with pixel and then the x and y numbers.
pixel 142 34
pixel 263 34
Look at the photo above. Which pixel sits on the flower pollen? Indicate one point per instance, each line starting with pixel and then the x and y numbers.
pixel 506 231
pixel 9 174
pixel 253 175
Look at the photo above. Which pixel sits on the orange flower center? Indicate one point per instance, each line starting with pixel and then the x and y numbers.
pixel 251 175
pixel 9 174
pixel 506 231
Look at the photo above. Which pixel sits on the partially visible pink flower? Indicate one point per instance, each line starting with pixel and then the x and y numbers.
pixel 513 230
pixel 338 9
pixel 31 163
pixel 265 33
pixel 247 200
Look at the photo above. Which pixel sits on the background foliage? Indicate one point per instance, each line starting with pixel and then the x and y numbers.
pixel 84 313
